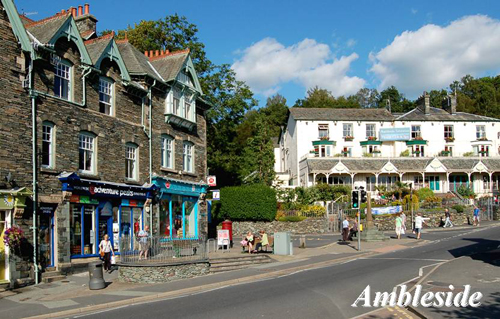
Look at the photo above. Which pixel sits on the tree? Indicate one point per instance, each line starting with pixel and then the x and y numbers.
pixel 437 97
pixel 322 98
pixel 367 98
pixel 391 97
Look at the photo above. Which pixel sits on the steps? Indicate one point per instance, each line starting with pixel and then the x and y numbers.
pixel 235 263
pixel 51 276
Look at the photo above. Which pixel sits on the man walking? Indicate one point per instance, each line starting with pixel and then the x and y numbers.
pixel 447 215
pixel 476 216
pixel 419 221
pixel 345 229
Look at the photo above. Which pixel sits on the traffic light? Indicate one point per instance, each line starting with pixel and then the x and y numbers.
pixel 362 193
pixel 355 199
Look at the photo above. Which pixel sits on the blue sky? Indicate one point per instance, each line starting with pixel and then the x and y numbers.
pixel 288 46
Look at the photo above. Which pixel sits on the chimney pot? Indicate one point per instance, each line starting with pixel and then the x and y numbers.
pixel 146 53
pixel 157 52
pixel 167 52
pixel 80 10
pixel 86 8
pixel 73 12
pixel 162 52
pixel 150 53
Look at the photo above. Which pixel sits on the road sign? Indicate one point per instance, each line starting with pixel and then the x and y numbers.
pixel 212 181
pixel 216 194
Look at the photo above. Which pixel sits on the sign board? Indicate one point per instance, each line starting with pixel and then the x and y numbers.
pixel 212 181
pixel 216 194
pixel 395 134
pixel 223 237
pixel 386 210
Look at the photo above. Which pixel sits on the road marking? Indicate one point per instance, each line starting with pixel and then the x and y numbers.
pixel 415 259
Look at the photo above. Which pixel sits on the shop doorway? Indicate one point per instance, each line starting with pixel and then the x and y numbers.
pixel 4 251
pixel 82 230
pixel 46 238
pixel 105 227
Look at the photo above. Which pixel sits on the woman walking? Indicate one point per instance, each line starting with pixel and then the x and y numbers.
pixel 105 250
pixel 399 225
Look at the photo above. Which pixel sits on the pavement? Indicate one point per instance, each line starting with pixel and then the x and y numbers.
pixel 61 299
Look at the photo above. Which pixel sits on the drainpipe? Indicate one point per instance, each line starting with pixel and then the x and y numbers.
pixel 150 137
pixel 34 167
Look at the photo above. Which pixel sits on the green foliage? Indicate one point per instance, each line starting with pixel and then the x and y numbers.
pixel 397 101
pixel 400 188
pixel 424 193
pixel 414 201
pixel 433 201
pixel 322 98
pixel 249 202
pixel 405 153
pixel 468 154
pixel 313 211
pixel 292 219
pixel 465 191
pixel 459 208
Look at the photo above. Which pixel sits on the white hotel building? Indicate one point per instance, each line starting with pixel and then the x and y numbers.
pixel 430 147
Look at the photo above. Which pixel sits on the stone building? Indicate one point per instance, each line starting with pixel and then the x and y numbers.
pixel 430 146
pixel 119 139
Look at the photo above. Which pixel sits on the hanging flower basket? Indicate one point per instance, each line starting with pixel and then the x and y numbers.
pixel 13 236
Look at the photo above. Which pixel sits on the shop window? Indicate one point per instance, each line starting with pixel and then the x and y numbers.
pixel 167 152
pixel 188 157
pixel 48 145
pixel 86 161
pixel 178 217
pixel 131 161
pixel 82 240
pixel 370 131
pixel 415 132
pixel 62 80
pixel 105 96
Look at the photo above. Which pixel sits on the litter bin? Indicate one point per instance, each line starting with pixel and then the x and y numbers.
pixel 96 277
pixel 227 224
pixel 283 244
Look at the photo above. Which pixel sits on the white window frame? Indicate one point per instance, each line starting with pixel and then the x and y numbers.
pixel 416 131
pixel 347 130
pixel 63 70
pixel 480 131
pixel 176 97
pixel 371 130
pixel 325 151
pixel 106 88
pixel 131 161
pixel 48 136
pixel 188 157
pixel 167 151
pixel 450 132
pixel 322 129
pixel 87 143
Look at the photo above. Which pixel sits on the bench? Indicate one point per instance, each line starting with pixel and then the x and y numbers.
pixel 270 239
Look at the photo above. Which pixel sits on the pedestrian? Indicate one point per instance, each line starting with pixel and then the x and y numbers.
pixel 419 221
pixel 399 226
pixel 476 216
pixel 250 241
pixel 345 229
pixel 447 216
pixel 403 227
pixel 105 250
pixel 354 230
pixel 144 242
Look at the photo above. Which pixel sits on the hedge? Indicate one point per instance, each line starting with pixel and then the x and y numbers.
pixel 248 203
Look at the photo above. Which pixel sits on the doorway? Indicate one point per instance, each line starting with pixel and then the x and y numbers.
pixel 105 227
pixel 4 251
pixel 434 183
pixel 46 238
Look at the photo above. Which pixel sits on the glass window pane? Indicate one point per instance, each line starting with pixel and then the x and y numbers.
pixel 177 216
pixel 75 229
pixel 190 219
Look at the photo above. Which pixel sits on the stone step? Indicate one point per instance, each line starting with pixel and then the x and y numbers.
pixel 240 263
pixel 242 258
pixel 53 278
pixel 47 269
pixel 228 268
pixel 51 273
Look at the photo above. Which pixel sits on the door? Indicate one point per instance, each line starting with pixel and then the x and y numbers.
pixel 105 227
pixel 4 265
pixel 434 183
pixel 46 239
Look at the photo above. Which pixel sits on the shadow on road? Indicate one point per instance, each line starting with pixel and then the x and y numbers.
pixel 490 310
pixel 485 250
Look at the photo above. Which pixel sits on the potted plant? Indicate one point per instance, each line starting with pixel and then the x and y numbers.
pixel 372 138
pixel 449 139
pixel 324 138
pixel 348 138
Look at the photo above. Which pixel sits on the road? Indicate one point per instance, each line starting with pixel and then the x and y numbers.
pixel 318 293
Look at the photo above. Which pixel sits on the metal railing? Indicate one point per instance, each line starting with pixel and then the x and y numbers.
pixel 162 250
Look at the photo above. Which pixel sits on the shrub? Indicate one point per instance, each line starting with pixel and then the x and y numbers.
pixel 405 153
pixel 292 219
pixel 414 201
pixel 425 192
pixel 468 154
pixel 459 208
pixel 433 200
pixel 255 202
pixel 313 211
pixel 466 191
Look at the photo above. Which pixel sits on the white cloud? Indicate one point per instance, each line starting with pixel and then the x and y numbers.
pixel 268 64
pixel 433 56
pixel 350 43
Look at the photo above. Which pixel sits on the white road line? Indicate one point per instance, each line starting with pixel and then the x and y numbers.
pixel 415 259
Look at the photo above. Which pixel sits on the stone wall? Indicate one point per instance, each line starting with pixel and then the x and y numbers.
pixel 307 226
pixel 387 223
pixel 159 274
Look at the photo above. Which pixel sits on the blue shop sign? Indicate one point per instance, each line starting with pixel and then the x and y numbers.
pixel 395 134
pixel 173 186
pixel 73 183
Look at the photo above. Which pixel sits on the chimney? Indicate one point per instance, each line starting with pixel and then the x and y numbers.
pixel 73 12
pixel 424 103
pixel 85 22
pixel 150 53
pixel 449 104
pixel 146 53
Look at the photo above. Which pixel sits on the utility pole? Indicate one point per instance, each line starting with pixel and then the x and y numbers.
pixel 411 205
pixel 359 229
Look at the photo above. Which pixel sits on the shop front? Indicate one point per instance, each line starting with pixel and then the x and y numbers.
pixel 99 208
pixel 178 215
pixel 12 205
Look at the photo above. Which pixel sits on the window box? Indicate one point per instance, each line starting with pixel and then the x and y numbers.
pixel 418 138
pixel 445 153
pixel 348 138
pixel 482 138
pixel 449 139
pixel 376 152
pixel 416 152
pixel 324 138
pixel 372 138
pixel 483 152
pixel 345 153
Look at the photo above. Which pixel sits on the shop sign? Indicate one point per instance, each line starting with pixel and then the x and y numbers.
pixel 395 134
pixel 223 237
pixel 49 209
pixel 167 185
pixel 212 181
pixel 109 191
pixel 88 210
pixel 74 199
pixel 216 194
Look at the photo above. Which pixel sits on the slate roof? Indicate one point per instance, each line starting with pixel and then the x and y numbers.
pixel 44 30
pixel 135 61
pixel 402 164
pixel 170 65
pixel 436 114
pixel 95 47
pixel 327 114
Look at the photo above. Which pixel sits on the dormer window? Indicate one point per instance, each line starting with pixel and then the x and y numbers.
pixel 176 101
pixel 62 80
pixel 181 108
pixel 106 96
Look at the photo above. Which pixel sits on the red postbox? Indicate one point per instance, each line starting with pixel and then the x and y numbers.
pixel 227 224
